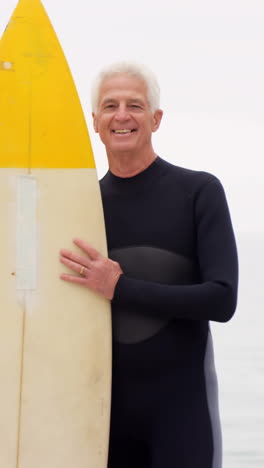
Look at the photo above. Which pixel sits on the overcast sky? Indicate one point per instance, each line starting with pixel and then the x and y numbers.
pixel 209 60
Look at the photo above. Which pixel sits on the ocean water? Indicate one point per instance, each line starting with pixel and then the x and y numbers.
pixel 239 354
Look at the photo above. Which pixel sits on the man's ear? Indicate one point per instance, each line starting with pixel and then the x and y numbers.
pixel 95 122
pixel 157 116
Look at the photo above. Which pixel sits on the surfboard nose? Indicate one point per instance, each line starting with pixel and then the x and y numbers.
pixel 42 124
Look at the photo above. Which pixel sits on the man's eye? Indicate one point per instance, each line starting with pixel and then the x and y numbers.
pixel 109 106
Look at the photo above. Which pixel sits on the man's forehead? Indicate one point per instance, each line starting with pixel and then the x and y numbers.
pixel 122 77
pixel 122 84
pixel 117 95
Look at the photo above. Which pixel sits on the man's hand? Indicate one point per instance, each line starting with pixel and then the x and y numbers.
pixel 95 271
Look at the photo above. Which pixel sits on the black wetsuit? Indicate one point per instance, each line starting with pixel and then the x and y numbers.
pixel 170 230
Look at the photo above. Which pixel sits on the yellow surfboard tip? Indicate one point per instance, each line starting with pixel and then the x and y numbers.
pixel 42 124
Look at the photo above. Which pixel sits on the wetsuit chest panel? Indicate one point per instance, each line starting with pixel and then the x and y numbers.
pixel 151 264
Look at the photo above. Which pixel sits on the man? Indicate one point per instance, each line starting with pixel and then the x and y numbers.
pixel 172 268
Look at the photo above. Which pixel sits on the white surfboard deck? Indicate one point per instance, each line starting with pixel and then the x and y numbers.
pixel 55 337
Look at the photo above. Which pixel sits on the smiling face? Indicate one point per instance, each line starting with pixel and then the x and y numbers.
pixel 123 119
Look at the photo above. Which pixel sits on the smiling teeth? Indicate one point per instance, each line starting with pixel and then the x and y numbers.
pixel 122 131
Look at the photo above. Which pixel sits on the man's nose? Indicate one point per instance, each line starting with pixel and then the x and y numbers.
pixel 121 113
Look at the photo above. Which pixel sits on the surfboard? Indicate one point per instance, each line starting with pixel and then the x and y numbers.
pixel 55 337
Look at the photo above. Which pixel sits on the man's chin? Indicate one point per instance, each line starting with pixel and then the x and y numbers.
pixel 121 148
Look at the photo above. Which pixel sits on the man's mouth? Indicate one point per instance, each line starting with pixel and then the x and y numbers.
pixel 124 130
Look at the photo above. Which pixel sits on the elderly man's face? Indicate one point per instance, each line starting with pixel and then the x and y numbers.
pixel 124 120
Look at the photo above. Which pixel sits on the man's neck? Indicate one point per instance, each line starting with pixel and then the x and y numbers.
pixel 128 165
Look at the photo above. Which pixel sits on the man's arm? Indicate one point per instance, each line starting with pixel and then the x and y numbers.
pixel 214 298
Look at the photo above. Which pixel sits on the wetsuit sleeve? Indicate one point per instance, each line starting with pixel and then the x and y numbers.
pixel 214 298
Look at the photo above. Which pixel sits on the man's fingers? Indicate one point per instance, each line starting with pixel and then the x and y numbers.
pixel 73 279
pixel 77 267
pixel 93 270
pixel 75 257
pixel 87 248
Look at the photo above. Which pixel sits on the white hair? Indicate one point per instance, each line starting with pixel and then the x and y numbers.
pixel 133 69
